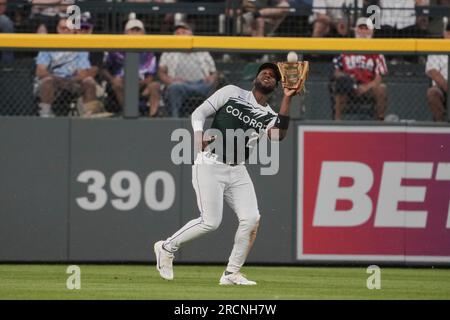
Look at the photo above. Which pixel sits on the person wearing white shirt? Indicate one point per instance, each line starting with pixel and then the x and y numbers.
pixel 333 15
pixel 185 74
pixel 399 20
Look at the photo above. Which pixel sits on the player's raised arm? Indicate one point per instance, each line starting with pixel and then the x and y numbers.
pixel 279 130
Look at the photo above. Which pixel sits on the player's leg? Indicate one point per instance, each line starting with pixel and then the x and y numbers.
pixel 208 182
pixel 241 197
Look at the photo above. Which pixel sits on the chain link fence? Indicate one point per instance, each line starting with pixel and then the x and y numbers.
pixel 405 80
pixel 279 18
pixel 405 84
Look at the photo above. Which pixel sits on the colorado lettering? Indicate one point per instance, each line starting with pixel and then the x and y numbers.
pixel 244 118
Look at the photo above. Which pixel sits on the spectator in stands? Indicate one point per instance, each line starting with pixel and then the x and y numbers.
pixel 6 26
pixel 398 19
pixel 64 71
pixel 359 75
pixel 264 16
pixel 437 69
pixel 114 70
pixel 96 59
pixel 334 17
pixel 46 13
pixel 186 73
pixel 435 21
pixel 169 18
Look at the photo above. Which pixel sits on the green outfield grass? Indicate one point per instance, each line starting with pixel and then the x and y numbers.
pixel 201 282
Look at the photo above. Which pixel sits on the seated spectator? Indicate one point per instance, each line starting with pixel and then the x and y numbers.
pixel 186 73
pixel 6 26
pixel 264 17
pixel 437 69
pixel 333 17
pixel 169 18
pixel 114 70
pixel 359 75
pixel 45 14
pixel 67 71
pixel 96 59
pixel 398 19
pixel 18 13
pixel 435 21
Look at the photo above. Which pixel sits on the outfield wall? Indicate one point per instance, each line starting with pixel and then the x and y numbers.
pixel 105 190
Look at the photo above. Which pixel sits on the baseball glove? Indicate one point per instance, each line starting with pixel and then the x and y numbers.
pixel 294 74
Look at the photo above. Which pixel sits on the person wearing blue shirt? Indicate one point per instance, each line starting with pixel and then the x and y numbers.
pixel 64 71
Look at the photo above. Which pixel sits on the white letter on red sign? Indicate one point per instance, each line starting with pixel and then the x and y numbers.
pixel 443 173
pixel 329 192
pixel 392 192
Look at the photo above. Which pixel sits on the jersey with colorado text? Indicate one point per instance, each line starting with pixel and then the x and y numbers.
pixel 239 116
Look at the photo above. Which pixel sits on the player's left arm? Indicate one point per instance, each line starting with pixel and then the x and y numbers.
pixel 279 130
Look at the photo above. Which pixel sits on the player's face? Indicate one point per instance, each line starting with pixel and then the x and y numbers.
pixel 266 81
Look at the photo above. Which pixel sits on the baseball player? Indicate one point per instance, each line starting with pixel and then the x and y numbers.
pixel 215 177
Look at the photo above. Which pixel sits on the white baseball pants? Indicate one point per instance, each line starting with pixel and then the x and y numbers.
pixel 212 184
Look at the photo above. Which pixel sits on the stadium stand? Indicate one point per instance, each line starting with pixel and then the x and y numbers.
pixel 407 82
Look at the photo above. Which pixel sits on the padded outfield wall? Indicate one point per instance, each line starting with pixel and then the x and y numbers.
pixel 105 190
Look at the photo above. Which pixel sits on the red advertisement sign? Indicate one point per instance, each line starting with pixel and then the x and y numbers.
pixel 373 193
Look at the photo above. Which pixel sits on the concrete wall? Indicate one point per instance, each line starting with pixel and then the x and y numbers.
pixel 61 185
pixel 49 166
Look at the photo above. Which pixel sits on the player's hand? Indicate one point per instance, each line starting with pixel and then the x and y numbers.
pixel 289 92
pixel 207 140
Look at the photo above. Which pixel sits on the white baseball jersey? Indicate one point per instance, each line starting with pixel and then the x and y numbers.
pixel 213 181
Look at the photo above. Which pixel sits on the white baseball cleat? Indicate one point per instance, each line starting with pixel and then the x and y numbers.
pixel 164 261
pixel 236 278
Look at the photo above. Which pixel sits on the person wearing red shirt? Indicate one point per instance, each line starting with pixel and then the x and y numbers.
pixel 360 75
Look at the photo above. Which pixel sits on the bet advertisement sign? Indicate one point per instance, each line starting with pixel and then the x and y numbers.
pixel 373 193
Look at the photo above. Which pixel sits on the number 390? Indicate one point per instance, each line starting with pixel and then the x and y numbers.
pixel 128 196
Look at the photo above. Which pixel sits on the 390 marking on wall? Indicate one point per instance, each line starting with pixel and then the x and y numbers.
pixel 127 190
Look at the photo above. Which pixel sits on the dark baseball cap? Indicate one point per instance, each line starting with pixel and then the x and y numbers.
pixel 270 65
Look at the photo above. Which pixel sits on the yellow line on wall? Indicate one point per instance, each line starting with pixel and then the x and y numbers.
pixel 161 42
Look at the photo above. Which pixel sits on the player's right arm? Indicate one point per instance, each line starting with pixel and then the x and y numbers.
pixel 279 131
pixel 209 107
